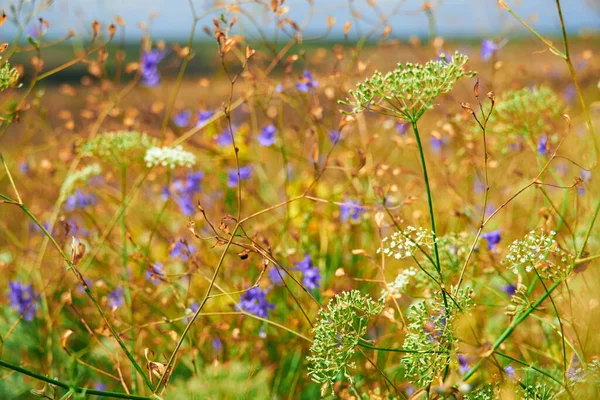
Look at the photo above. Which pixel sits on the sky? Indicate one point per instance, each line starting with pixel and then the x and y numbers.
pixel 471 18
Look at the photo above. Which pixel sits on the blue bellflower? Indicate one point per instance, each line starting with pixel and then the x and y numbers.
pixel 274 276
pixel 509 289
pixel 36 30
pixel 401 127
pixel 492 238
pixel 22 297
pixel 182 250
pixel 183 192
pixel 156 273
pixel 488 48
pixel 217 344
pixel 116 298
pixel 79 200
pixel 267 135
pixel 510 371
pixel 204 116
pixel 232 175
pixel 254 302
pixel 350 209
pixel 149 67
pixel 182 118
pixel 575 373
pixel 542 146
pixel 436 144
pixel 191 310
pixel 310 273
pixel 464 364
pixel 335 136
pixel 24 167
pixel 307 83
pixel 224 138
pixel 585 177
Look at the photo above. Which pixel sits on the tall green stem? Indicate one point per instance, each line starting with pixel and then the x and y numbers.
pixel 429 198
pixel 517 321
pixel 125 273
pixel 438 265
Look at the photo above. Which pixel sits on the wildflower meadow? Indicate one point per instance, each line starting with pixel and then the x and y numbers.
pixel 269 207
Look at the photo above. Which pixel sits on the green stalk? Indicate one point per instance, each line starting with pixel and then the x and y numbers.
pixel 43 378
pixel 506 334
pixel 431 215
pixel 124 258
pixel 429 199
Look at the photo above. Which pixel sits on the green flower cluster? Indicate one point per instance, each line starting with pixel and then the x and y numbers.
pixel 430 336
pixel 339 329
pixel 540 251
pixel 525 113
pixel 118 147
pixel 8 77
pixel 82 175
pixel 410 89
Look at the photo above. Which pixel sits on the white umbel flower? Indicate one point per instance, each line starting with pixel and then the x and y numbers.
pixel 170 157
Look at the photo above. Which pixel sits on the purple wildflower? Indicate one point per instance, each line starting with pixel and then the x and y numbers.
pixel 100 386
pixel 569 93
pixel 182 250
pixel 492 238
pixel 401 127
pixel 435 327
pixel 183 191
pixel 335 136
pixel 575 373
pixel 224 138
pixel 464 364
pixel 488 48
pixel 478 186
pixel 267 135
pixel 274 276
pixel 156 274
pixel 149 67
pixel 542 146
pixel 182 119
pixel 217 345
pixel 24 167
pixel 116 298
pixel 350 209
pixel 436 144
pixel 510 371
pixel 37 30
pixel 79 200
pixel 279 88
pixel 22 297
pixel 204 116
pixel 232 175
pixel 509 289
pixel 585 176
pixel 307 83
pixel 310 274
pixel 186 205
pixel 254 302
